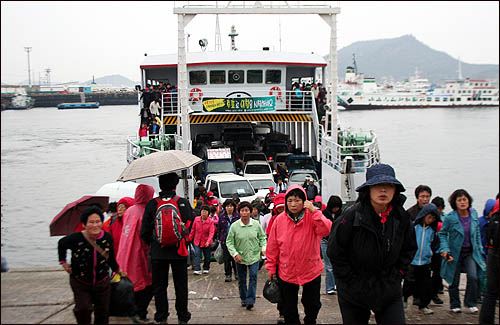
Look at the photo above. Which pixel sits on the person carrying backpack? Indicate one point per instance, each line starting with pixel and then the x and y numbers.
pixel 163 222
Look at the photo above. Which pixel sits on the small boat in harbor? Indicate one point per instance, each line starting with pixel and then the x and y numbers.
pixel 78 105
pixel 20 102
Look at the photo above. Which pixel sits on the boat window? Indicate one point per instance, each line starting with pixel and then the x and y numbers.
pixel 218 76
pixel 236 76
pixel 273 76
pixel 254 76
pixel 198 77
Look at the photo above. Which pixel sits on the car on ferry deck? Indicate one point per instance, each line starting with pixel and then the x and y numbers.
pixel 254 155
pixel 261 185
pixel 258 168
pixel 280 158
pixel 298 177
pixel 225 186
pixel 299 162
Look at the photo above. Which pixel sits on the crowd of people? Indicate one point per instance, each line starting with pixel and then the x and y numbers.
pixel 299 100
pixel 154 100
pixel 375 254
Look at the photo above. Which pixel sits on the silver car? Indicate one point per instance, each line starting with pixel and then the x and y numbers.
pixel 298 176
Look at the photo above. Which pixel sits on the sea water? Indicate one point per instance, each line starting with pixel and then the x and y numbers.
pixel 52 157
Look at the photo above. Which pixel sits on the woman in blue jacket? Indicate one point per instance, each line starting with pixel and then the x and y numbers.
pixel 460 246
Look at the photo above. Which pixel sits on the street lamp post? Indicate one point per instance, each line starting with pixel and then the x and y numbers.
pixel 28 50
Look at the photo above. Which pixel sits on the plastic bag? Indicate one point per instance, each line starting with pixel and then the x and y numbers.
pixel 122 300
pixel 272 291
pixel 219 254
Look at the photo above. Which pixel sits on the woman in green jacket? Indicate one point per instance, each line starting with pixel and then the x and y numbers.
pixel 460 247
pixel 246 243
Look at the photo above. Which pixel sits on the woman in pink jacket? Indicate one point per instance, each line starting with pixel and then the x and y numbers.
pixel 293 248
pixel 132 255
pixel 202 234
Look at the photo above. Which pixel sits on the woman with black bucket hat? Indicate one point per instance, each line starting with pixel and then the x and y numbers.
pixel 371 246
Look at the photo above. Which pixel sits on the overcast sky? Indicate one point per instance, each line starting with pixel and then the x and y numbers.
pixel 79 39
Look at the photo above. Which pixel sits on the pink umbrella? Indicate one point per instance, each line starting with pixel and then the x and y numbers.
pixel 69 218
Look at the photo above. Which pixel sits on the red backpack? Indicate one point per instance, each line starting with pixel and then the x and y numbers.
pixel 169 229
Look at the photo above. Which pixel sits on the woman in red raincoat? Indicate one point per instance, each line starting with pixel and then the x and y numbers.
pixel 133 252
pixel 114 226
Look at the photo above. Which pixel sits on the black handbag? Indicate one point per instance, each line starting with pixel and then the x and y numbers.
pixel 122 299
pixel 272 291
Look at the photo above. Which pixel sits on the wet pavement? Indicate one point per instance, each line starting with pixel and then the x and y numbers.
pixel 43 296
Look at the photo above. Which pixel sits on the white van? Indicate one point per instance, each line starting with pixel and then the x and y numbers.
pixel 224 186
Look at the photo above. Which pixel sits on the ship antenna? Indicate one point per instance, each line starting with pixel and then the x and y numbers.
pixel 218 42
pixel 233 35
pixel 279 22
pixel 354 63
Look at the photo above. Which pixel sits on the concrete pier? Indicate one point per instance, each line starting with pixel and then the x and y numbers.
pixel 43 296
pixel 104 98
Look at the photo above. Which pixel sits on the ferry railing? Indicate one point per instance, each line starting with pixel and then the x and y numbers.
pixel 315 123
pixel 138 147
pixel 363 156
pixel 285 100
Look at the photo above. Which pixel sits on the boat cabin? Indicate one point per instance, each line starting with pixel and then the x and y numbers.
pixel 235 74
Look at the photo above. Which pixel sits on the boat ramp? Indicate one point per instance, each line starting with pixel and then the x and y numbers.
pixel 43 296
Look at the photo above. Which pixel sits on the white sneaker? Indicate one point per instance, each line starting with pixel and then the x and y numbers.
pixel 456 310
pixel 205 271
pixel 197 272
pixel 426 311
pixel 473 310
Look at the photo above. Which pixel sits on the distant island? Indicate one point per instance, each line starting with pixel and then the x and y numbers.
pixel 397 59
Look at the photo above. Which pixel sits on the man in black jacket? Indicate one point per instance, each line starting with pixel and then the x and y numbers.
pixel 487 315
pixel 370 247
pixel 162 258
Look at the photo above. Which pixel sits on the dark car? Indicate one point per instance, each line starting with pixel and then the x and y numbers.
pixel 300 162
pixel 271 148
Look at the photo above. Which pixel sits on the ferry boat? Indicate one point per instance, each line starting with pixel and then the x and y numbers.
pixel 20 102
pixel 240 89
pixel 358 92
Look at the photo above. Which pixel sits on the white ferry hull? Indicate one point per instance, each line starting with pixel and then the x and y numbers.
pixel 403 106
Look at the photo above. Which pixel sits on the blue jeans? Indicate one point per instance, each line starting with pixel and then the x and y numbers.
pixel 247 294
pixel 197 258
pixel 330 279
pixel 467 262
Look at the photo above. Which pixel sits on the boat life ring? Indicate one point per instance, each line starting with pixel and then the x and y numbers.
pixel 275 89
pixel 196 94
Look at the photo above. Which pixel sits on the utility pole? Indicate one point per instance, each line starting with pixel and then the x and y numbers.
pixel 47 75
pixel 28 50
